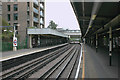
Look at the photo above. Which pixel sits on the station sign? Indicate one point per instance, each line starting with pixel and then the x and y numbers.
pixel 14 41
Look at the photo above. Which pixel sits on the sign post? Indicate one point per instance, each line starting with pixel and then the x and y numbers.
pixel 14 41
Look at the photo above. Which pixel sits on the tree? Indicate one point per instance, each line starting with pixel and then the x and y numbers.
pixel 7 32
pixel 52 25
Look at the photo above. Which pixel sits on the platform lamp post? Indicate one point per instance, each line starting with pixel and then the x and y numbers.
pixel 15 39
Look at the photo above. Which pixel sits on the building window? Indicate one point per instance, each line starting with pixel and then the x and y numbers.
pixel 16 27
pixel 8 17
pixel 8 6
pixel 28 24
pixel 28 13
pixel 28 4
pixel 15 16
pixel 15 7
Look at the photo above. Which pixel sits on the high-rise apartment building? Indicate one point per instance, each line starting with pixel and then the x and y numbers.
pixel 0 14
pixel 0 8
pixel 26 14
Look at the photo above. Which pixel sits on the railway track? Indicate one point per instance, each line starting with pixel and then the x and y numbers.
pixel 58 64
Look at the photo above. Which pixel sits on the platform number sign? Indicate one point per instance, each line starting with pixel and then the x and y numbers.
pixel 14 41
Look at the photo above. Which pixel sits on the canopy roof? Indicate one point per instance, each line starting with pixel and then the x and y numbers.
pixel 96 17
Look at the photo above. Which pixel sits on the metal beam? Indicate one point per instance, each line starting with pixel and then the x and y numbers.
pixel 96 42
pixel 113 23
pixel 87 18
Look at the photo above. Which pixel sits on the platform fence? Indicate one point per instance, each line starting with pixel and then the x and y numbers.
pixel 8 46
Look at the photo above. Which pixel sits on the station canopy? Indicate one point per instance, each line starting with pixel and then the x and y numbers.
pixel 97 17
pixel 46 31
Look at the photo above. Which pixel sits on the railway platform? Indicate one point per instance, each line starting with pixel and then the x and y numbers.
pixel 14 54
pixel 96 64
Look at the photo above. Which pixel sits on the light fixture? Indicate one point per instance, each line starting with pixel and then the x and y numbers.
pixel 93 17
pixel 90 26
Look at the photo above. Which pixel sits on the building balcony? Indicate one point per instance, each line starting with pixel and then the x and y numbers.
pixel 41 22
pixel 41 0
pixel 35 10
pixel 35 19
pixel 41 13
pixel 41 6
pixel 36 2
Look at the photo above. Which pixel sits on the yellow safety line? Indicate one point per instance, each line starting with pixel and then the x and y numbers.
pixel 83 67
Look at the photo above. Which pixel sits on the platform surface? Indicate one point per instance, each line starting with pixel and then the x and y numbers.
pixel 22 52
pixel 96 65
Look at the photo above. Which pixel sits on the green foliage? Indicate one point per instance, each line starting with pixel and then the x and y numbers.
pixel 4 23
pixel 52 25
pixel 7 32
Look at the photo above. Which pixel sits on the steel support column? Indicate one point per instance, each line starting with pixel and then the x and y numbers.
pixel 110 46
pixel 96 42
pixel 91 41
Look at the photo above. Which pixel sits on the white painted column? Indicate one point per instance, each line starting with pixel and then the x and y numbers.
pixel 110 45
pixel 30 42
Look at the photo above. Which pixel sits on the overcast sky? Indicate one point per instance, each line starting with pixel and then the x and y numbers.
pixel 62 14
